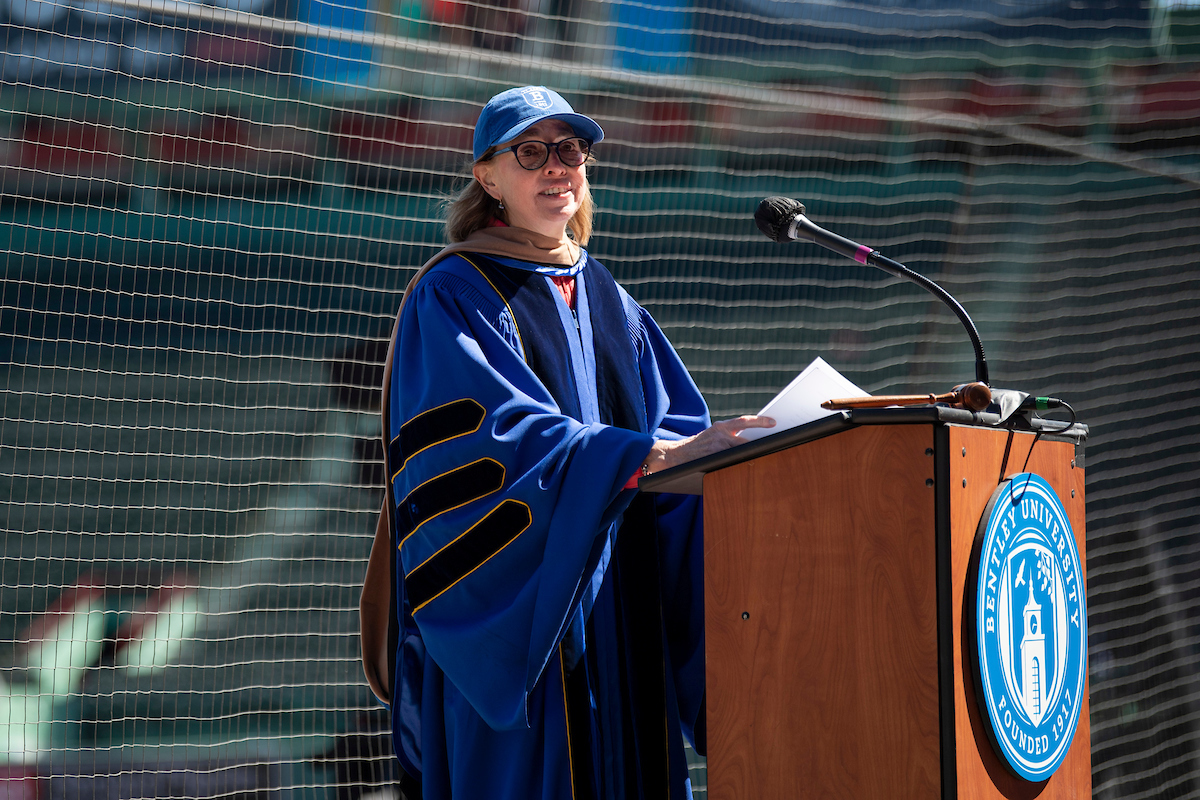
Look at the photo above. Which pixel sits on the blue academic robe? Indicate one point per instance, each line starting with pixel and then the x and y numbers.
pixel 550 639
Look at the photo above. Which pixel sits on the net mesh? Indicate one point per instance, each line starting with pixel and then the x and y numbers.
pixel 210 211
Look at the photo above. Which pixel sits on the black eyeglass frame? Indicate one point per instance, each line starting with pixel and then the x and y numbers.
pixel 586 149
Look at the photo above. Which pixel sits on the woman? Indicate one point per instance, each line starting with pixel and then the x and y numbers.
pixel 547 640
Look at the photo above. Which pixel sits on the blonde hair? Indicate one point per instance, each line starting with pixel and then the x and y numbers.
pixel 472 209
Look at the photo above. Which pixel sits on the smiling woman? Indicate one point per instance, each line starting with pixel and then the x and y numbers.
pixel 542 175
pixel 534 622
pixel 543 197
pixel 510 116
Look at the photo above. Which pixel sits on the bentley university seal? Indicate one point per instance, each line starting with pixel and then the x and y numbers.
pixel 1030 626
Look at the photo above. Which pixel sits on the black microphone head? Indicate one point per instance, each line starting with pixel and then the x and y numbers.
pixel 775 215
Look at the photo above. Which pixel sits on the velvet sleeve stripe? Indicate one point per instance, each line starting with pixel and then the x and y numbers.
pixel 467 553
pixel 446 492
pixel 432 427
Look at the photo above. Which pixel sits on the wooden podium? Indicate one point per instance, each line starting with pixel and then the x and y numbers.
pixel 837 555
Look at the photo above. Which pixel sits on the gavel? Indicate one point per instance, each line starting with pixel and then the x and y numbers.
pixel 974 396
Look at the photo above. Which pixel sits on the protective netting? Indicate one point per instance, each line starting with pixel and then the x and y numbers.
pixel 210 211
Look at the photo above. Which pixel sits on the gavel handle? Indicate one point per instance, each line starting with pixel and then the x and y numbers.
pixel 974 396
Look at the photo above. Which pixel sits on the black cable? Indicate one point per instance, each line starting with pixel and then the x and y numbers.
pixel 1024 467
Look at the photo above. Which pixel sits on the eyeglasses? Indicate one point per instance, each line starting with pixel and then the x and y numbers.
pixel 533 154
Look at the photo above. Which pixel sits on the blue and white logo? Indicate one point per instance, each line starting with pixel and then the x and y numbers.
pixel 1030 626
pixel 536 97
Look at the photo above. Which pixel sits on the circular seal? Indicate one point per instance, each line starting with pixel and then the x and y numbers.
pixel 1030 626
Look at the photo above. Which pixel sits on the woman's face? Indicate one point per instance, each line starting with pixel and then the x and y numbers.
pixel 543 199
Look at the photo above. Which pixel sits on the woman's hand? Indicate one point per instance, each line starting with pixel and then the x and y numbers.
pixel 721 436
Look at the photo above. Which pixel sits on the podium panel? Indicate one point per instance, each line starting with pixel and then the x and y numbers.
pixel 838 653
pixel 977 457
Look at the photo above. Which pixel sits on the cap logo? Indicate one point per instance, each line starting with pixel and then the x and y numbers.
pixel 536 98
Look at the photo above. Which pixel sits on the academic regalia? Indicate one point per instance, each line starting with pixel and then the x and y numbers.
pixel 548 634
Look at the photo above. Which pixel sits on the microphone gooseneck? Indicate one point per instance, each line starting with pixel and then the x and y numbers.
pixel 782 219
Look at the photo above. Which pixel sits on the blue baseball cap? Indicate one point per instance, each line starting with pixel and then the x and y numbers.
pixel 509 113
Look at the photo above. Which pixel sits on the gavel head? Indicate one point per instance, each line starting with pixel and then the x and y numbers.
pixel 974 396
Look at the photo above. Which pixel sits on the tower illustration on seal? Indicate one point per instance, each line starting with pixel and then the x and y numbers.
pixel 1033 659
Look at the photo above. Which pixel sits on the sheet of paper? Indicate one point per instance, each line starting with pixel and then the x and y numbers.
pixel 800 402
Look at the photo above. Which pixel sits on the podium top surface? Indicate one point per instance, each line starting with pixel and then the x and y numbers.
pixel 689 478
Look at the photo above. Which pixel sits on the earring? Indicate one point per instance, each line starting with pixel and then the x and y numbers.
pixel 501 205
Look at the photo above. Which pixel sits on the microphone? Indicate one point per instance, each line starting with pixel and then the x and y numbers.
pixel 782 219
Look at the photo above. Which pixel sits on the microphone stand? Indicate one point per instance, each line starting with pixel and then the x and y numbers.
pixel 876 259
pixel 782 219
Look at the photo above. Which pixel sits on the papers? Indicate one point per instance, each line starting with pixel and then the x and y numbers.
pixel 800 402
